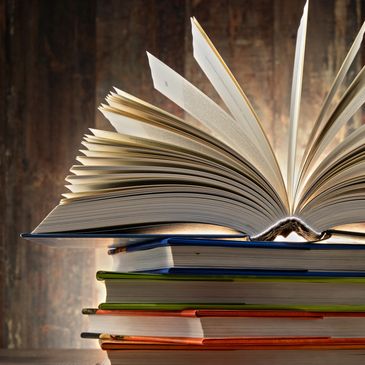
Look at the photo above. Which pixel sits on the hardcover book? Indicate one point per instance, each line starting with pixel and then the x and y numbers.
pixel 197 255
pixel 301 356
pixel 199 325
pixel 217 168
pixel 180 292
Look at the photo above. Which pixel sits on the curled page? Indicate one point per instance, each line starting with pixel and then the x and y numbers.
pixel 321 119
pixel 220 123
pixel 296 93
pixel 352 100
pixel 231 93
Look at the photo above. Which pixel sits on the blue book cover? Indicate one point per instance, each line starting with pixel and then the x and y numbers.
pixel 213 241
pixel 196 243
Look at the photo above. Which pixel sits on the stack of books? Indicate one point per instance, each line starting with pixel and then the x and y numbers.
pixel 190 298
pixel 198 297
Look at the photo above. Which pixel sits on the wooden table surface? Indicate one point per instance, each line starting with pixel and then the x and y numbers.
pixel 52 357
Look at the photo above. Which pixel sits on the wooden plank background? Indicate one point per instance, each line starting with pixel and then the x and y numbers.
pixel 58 60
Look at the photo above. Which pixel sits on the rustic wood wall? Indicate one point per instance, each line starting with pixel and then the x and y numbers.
pixel 58 59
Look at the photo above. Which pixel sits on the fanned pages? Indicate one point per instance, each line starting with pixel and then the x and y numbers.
pixel 157 170
pixel 231 93
pixel 323 114
pixel 352 100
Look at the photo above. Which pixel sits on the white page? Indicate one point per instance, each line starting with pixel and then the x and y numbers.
pixel 296 93
pixel 222 80
pixel 321 120
pixel 231 93
pixel 136 128
pixel 200 106
pixel 323 116
pixel 353 99
pixel 349 144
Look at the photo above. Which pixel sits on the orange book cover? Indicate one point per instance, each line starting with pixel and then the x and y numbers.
pixel 157 343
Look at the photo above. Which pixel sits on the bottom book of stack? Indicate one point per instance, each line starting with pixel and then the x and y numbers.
pixel 224 316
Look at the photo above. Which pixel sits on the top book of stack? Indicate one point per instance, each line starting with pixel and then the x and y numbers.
pixel 217 168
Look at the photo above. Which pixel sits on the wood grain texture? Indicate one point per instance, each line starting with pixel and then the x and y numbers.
pixel 52 357
pixel 49 103
pixel 324 56
pixel 3 228
pixel 124 34
pixel 59 60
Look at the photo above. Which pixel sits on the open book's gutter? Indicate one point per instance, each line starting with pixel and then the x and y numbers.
pixel 290 224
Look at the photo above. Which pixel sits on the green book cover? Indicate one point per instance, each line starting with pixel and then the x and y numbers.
pixel 103 275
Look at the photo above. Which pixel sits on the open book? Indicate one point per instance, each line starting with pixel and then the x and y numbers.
pixel 157 169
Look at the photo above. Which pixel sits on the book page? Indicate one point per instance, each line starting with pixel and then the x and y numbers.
pixel 322 118
pixel 147 164
pixel 231 93
pixel 346 209
pixel 130 126
pixel 152 135
pixel 122 102
pixel 345 150
pixel 151 204
pixel 112 152
pixel 352 100
pixel 200 106
pixel 296 92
